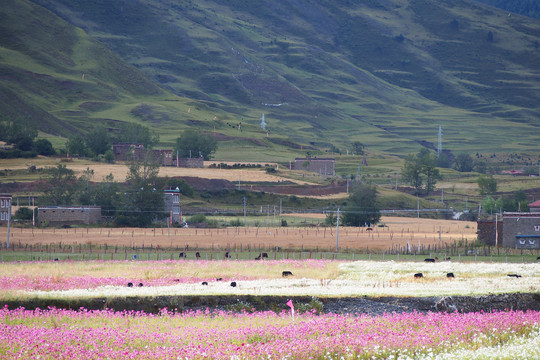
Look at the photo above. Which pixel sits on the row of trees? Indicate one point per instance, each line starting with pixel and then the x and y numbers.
pixel 138 202
pixel 22 134
pixel 191 143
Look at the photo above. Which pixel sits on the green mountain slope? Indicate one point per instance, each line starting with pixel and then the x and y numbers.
pixel 384 72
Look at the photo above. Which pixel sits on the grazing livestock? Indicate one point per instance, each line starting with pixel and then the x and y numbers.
pixel 197 255
pixel 219 279
pixel 429 260
pixel 450 275
pixel 447 259
pixel 227 255
pixel 418 275
pixel 204 283
pixel 140 285
pixel 286 273
pixel 129 284
pixel 233 284
pixel 262 256
pixel 182 255
pixel 538 258
pixel 369 229
pixel 514 275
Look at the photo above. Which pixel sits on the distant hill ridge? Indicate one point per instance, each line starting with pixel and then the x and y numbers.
pixel 383 72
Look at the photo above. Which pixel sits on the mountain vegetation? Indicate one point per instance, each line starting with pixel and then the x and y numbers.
pixel 524 7
pixel 325 74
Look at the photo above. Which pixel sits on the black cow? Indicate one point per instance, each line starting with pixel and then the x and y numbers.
pixel 182 255
pixel 227 255
pixel 129 284
pixel 262 256
pixel 219 279
pixel 538 258
pixel 140 285
pixel 429 260
pixel 514 275
pixel 418 275
pixel 450 275
pixel 204 283
pixel 233 284
pixel 197 255
pixel 286 273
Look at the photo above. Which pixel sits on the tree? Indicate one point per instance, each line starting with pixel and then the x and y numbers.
pixel 76 146
pixel 143 202
pixel 98 141
pixel 357 148
pixel 412 172
pixel 44 147
pixel 419 168
pixel 464 163
pixel 487 185
pixel 109 156
pixel 86 193
pixel 429 169
pixel 193 143
pixel 61 186
pixel 362 208
pixel 137 134
pixel 491 205
pixel 107 196
pixel 23 213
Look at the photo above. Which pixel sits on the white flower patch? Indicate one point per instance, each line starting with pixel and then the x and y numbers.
pixel 358 279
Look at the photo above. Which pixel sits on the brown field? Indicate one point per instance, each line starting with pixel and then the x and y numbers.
pixel 396 233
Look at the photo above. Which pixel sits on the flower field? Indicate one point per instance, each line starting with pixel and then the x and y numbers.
pixel 310 277
pixel 104 334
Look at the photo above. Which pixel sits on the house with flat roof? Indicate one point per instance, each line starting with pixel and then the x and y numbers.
pixel 521 230
pixel 5 208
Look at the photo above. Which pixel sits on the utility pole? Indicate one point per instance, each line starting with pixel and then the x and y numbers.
pixel 245 224
pixel 8 223
pixel 417 207
pixel 280 203
pixel 337 230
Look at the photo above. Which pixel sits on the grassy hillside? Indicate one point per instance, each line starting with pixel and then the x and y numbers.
pixel 386 73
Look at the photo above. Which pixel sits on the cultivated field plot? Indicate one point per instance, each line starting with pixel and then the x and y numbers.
pixel 396 233
pixel 323 278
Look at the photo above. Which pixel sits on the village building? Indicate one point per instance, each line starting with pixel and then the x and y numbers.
pixel 521 230
pixel 197 162
pixel 486 232
pixel 534 206
pixel 172 206
pixel 123 151
pixel 69 215
pixel 322 166
pixel 5 208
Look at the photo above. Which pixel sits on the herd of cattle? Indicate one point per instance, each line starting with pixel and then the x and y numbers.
pixel 287 273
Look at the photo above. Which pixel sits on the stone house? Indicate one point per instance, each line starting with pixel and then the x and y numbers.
pixel 69 215
pixel 172 206
pixel 5 208
pixel 521 230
